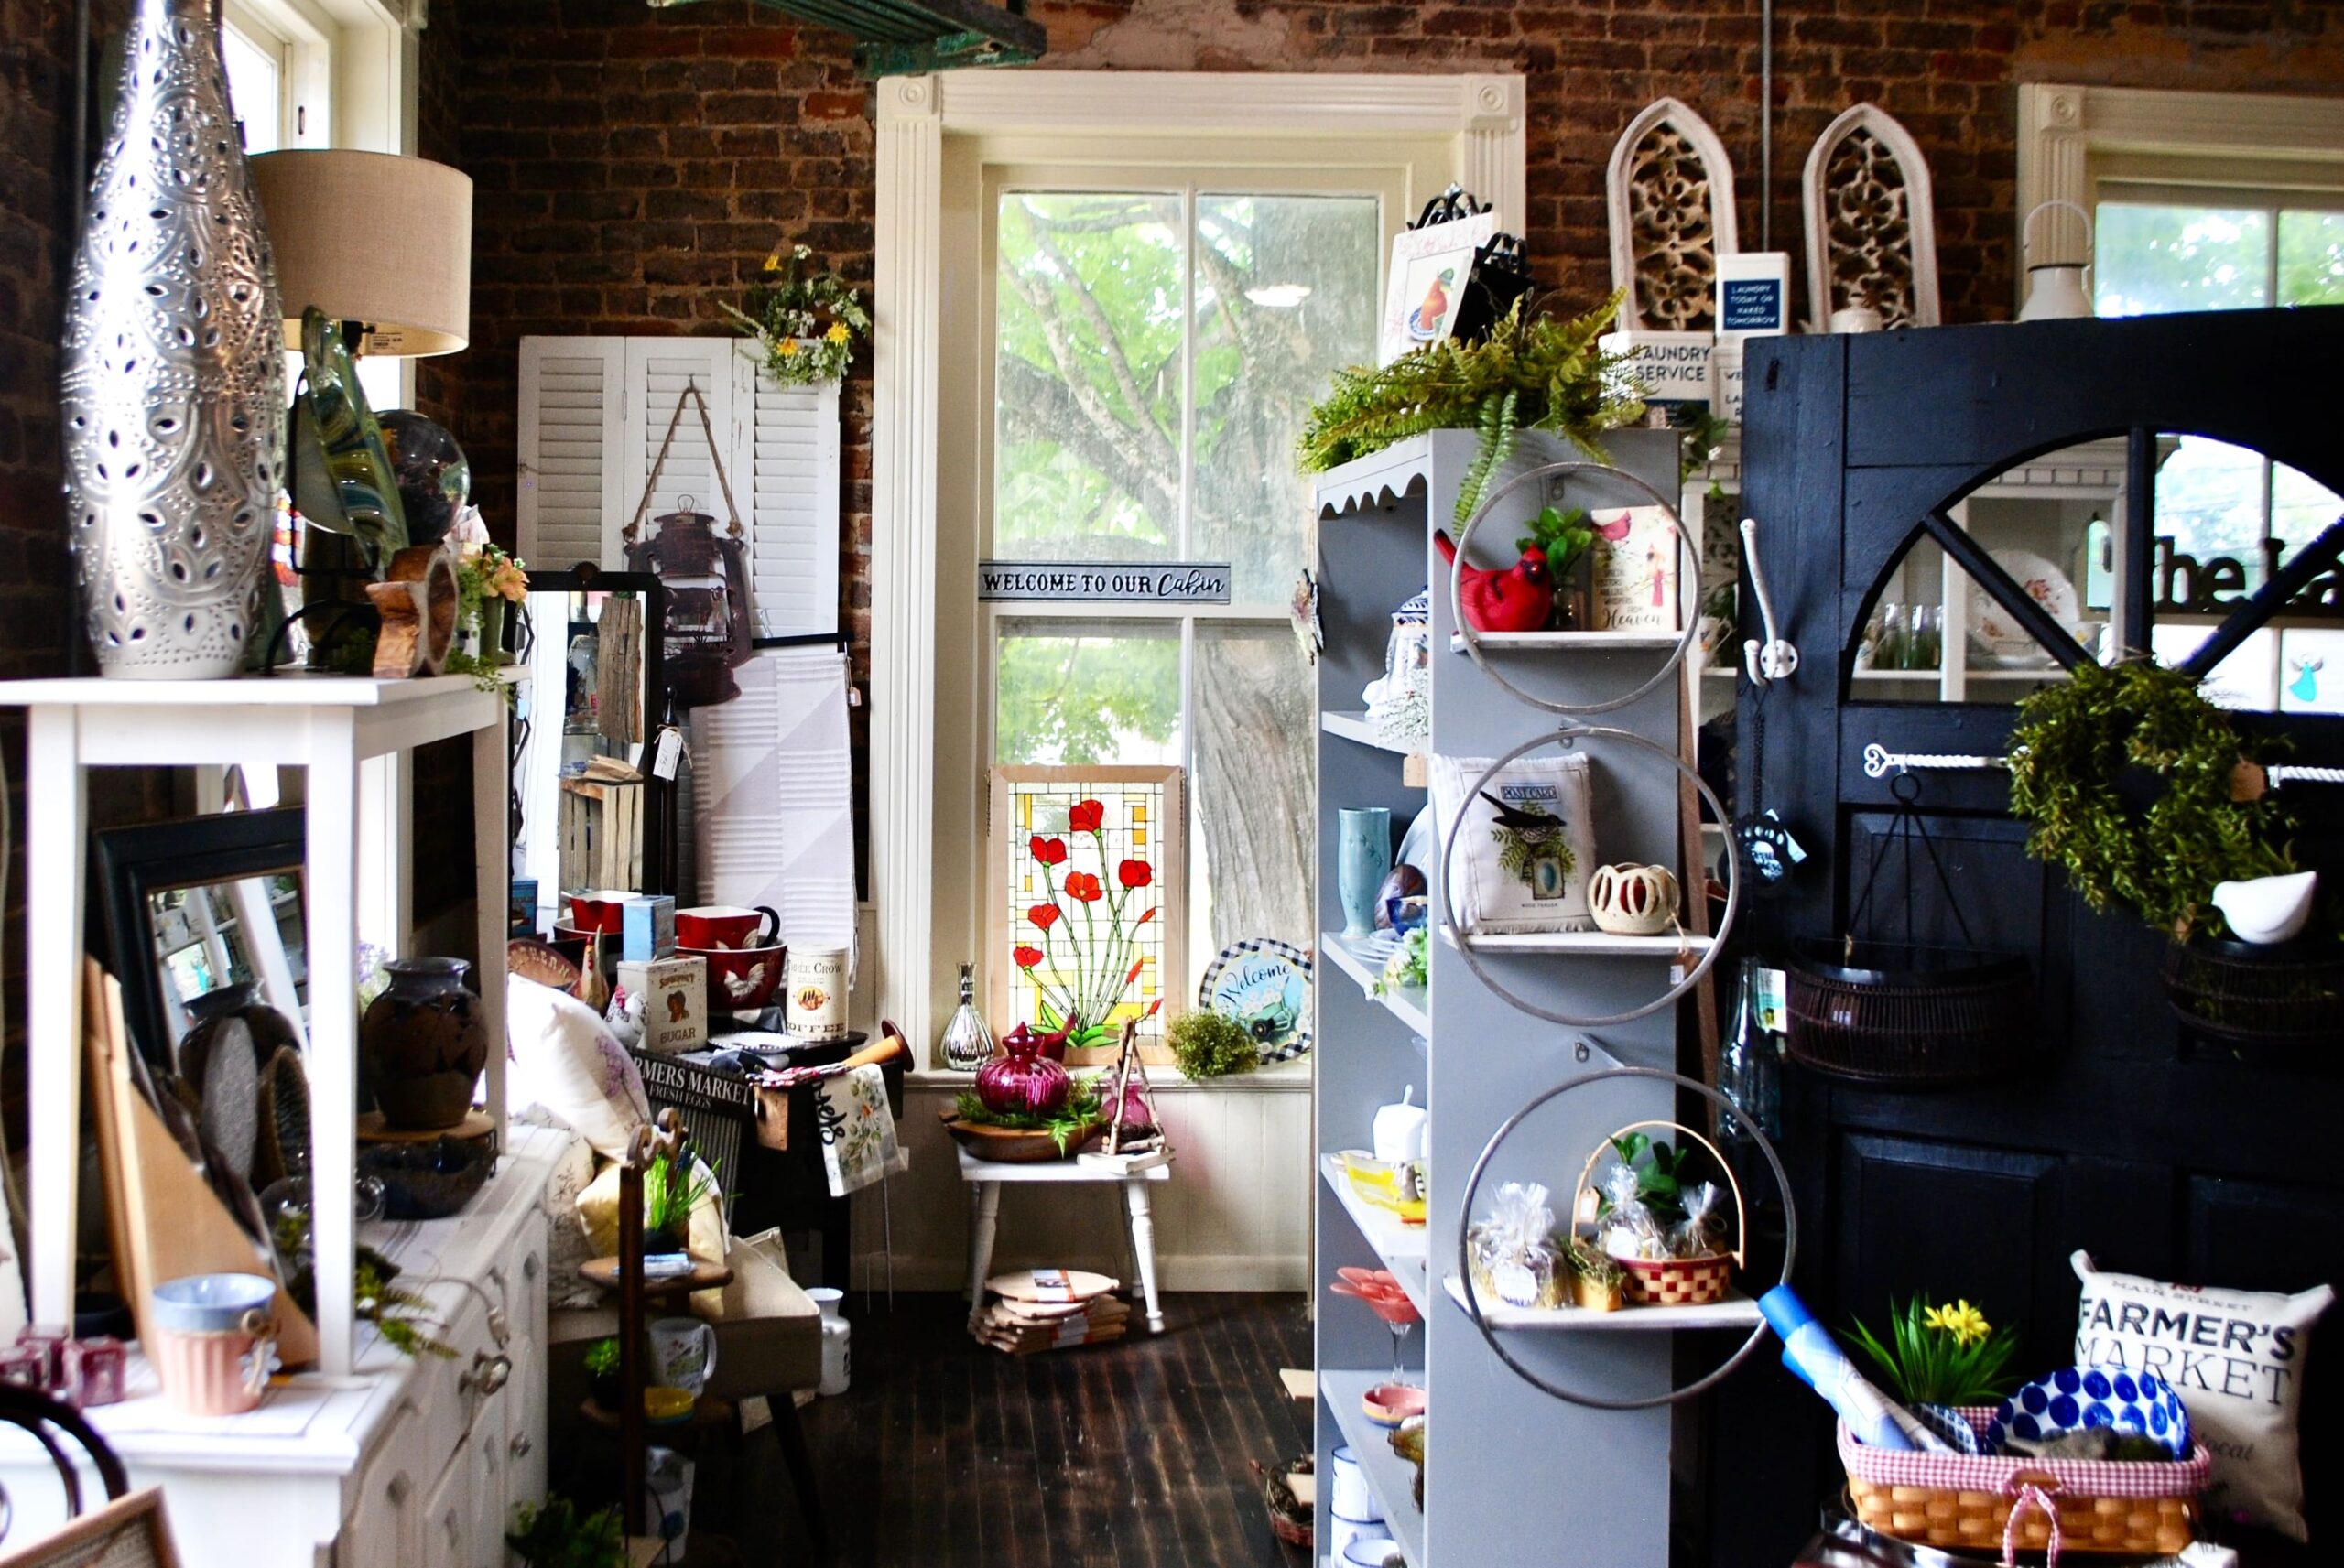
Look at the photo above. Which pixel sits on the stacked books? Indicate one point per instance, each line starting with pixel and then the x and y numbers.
pixel 1034 1310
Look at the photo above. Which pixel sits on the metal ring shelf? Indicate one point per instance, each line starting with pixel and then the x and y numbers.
pixel 1469 1298
pixel 1472 638
pixel 1464 942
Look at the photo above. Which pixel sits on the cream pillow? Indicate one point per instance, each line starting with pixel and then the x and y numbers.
pixel 1521 863
pixel 565 1058
pixel 2236 1357
pixel 568 1247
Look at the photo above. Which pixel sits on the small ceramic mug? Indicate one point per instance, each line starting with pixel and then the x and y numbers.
pixel 212 1338
pixel 683 1353
pixel 722 925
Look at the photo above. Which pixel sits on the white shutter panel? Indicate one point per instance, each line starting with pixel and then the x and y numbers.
pixel 788 459
pixel 571 426
pixel 657 370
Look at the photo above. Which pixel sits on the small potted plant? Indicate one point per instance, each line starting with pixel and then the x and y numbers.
pixel 1937 1358
pixel 603 1370
pixel 556 1535
pixel 673 1185
pixel 1598 1283
pixel 1206 1044
pixel 1564 537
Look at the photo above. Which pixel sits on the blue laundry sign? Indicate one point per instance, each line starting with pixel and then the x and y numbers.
pixel 1169 582
pixel 1750 305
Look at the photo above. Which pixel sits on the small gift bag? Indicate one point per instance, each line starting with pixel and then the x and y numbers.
pixel 1515 1261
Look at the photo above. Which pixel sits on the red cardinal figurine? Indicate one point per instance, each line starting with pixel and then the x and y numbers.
pixel 1519 599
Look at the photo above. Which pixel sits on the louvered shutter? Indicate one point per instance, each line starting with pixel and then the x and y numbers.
pixel 788 458
pixel 571 429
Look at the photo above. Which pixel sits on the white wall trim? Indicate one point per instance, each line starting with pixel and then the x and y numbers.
pixel 1485 111
pixel 2061 126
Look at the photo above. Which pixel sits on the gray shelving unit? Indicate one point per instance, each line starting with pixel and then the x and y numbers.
pixel 1513 1475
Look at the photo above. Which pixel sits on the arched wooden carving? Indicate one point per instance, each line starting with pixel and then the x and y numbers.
pixel 1872 235
pixel 1669 192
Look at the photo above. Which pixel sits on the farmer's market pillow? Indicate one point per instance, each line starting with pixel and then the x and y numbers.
pixel 2236 1357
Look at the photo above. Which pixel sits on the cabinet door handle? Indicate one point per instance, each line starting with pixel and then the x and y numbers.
pixel 488 1374
pixel 529 1267
pixel 520 1447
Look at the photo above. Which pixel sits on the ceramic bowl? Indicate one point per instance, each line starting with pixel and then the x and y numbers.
pixel 1372 1551
pixel 666 1406
pixel 2075 1399
pixel 209 1304
pixel 603 911
pixel 723 925
pixel 1389 1405
pixel 739 980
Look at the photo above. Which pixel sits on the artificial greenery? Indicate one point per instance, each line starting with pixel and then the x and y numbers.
pixel 1080 1112
pixel 1593 1265
pixel 2124 776
pixel 603 1358
pixel 1701 435
pixel 1562 536
pixel 1660 1176
pixel 673 1185
pixel 1406 967
pixel 1531 373
pixel 806 324
pixel 556 1535
pixel 1942 1355
pixel 1206 1044
pixel 403 1318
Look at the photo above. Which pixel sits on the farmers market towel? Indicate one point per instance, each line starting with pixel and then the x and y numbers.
pixel 774 806
pixel 858 1129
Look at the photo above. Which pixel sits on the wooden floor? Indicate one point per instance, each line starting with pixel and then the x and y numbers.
pixel 946 1454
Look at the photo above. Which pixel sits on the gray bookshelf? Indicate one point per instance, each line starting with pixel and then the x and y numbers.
pixel 1513 1475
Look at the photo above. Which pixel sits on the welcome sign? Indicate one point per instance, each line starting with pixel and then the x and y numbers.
pixel 1170 582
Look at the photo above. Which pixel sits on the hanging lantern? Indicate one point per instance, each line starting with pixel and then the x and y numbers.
pixel 709 620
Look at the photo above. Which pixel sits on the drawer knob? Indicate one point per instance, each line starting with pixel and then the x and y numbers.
pixel 489 1373
pixel 519 1447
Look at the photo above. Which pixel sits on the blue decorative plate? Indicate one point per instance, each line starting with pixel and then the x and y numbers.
pixel 1264 984
pixel 2075 1399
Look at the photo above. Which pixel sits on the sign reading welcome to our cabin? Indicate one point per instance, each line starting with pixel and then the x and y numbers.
pixel 1137 582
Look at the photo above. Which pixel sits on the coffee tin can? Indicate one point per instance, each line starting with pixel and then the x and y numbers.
pixel 814 992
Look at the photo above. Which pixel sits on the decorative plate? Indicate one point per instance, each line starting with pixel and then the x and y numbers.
pixel 2075 1399
pixel 1264 984
pixel 2005 641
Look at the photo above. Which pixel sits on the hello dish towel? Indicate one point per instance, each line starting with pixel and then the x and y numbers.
pixel 774 804
pixel 858 1129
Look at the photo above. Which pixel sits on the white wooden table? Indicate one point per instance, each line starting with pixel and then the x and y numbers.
pixel 987 1177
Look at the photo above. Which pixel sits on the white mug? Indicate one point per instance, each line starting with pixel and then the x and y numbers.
pixel 683 1354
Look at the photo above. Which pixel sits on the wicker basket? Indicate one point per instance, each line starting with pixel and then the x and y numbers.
pixel 1897 1015
pixel 1964 1503
pixel 2289 996
pixel 1678 1282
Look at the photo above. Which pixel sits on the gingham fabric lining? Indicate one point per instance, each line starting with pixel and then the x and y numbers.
pixel 2075 1477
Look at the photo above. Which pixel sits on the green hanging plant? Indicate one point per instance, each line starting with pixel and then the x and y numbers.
pixel 806 324
pixel 1532 373
pixel 2125 776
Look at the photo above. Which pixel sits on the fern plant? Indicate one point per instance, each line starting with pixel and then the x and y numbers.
pixel 1532 373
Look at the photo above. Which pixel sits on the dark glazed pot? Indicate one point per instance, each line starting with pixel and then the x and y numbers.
pixel 209 1014
pixel 423 1043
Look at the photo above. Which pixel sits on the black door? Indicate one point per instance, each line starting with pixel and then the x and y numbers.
pixel 2124 1139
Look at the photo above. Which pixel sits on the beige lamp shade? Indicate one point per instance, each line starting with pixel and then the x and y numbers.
pixel 371 238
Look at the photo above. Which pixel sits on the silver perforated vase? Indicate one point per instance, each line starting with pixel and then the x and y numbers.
pixel 173 368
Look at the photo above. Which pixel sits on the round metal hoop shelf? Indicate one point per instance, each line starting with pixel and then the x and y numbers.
pixel 1463 943
pixel 1471 1297
pixel 1686 560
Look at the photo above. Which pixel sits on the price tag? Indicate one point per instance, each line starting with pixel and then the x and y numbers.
pixel 1774 1003
pixel 667 754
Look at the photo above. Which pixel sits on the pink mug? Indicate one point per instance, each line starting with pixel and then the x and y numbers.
pixel 712 926
pixel 216 1372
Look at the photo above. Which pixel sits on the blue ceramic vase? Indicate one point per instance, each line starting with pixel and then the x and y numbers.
pixel 1363 860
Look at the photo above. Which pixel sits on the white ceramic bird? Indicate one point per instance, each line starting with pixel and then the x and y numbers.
pixel 2267 910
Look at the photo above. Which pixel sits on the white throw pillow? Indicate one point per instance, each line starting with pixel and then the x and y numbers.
pixel 2236 1357
pixel 566 1059
pixel 567 1246
pixel 1514 872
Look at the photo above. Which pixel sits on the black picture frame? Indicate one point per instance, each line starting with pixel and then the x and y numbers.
pixel 660 855
pixel 139 861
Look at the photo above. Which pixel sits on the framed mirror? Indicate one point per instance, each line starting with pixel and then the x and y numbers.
pixel 200 904
pixel 589 811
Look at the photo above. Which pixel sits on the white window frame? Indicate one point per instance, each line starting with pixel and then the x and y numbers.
pixel 1483 115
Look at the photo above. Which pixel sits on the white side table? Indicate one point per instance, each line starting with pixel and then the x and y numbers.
pixel 987 1177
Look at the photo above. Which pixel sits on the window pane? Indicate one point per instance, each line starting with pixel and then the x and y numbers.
pixel 1086 692
pixel 1089 308
pixel 2149 260
pixel 2300 507
pixel 2247 681
pixel 1285 297
pixel 1251 854
pixel 253 90
pixel 2311 258
pixel 2209 501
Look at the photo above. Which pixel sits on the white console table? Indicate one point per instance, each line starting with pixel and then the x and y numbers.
pixel 328 725
pixel 398 1464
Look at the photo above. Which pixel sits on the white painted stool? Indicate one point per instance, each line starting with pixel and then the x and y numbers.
pixel 987 1177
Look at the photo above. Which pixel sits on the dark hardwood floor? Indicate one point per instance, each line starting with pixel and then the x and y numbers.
pixel 946 1454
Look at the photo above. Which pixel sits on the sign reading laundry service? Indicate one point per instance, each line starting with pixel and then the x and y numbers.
pixel 1175 582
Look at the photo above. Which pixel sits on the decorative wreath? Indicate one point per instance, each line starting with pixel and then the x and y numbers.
pixel 809 325
pixel 2126 776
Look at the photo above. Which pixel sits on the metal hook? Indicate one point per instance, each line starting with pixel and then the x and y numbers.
pixel 1777 658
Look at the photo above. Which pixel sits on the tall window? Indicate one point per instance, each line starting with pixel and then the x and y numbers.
pixel 280 71
pixel 2166 247
pixel 1153 348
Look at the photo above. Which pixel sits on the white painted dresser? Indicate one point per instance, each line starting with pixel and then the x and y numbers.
pixel 404 1464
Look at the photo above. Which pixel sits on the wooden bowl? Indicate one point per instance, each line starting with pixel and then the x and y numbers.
pixel 1016 1146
